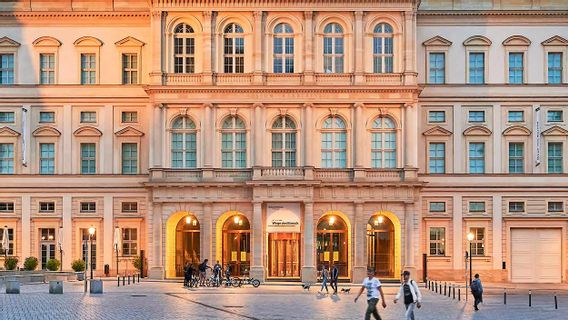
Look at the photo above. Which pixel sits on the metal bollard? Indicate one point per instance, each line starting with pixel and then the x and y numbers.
pixel 128 279
pixel 449 291
pixel 436 286
pixel 530 298
pixel 504 295
pixel 118 277
pixel 459 294
pixel 454 294
pixel 138 278
pixel 555 301
pixel 123 280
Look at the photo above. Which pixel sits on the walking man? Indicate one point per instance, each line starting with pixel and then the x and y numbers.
pixel 411 295
pixel 476 291
pixel 186 275
pixel 373 286
pixel 334 278
pixel 324 279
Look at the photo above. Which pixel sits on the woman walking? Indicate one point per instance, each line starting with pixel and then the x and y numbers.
pixel 325 278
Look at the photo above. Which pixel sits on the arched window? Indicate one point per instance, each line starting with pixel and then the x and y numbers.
pixel 184 143
pixel 233 143
pixel 383 48
pixel 184 49
pixel 383 143
pixel 333 143
pixel 234 49
pixel 283 48
pixel 333 51
pixel 284 142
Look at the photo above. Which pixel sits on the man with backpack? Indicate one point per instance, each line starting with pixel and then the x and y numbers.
pixel 334 278
pixel 411 295
pixel 476 291
pixel 217 273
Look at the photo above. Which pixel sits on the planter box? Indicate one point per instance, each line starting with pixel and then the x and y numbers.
pixel 80 276
pixel 56 287
pixel 96 286
pixel 12 287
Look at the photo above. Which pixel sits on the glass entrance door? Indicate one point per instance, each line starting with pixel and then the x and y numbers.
pixel 236 251
pixel 332 244
pixel 187 243
pixel 47 246
pixel 284 255
pixel 380 246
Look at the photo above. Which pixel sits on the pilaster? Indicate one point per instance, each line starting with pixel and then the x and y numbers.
pixel 359 57
pixel 309 47
pixel 360 231
pixel 458 254
pixel 156 263
pixel 67 233
pixel 257 54
pixel 208 133
pixel 26 226
pixel 206 225
pixel 207 72
pixel 156 44
pixel 411 135
pixel 308 126
pixel 257 269
pixel 308 267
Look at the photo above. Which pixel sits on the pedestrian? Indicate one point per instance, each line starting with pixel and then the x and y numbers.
pixel 203 271
pixel 412 297
pixel 334 278
pixel 190 271
pixel 373 286
pixel 186 275
pixel 217 273
pixel 228 275
pixel 476 291
pixel 324 278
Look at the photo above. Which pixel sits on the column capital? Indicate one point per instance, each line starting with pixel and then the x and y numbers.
pixel 308 105
pixel 208 105
pixel 308 14
pixel 257 15
pixel 359 14
pixel 410 105
pixel 308 203
pixel 359 203
pixel 156 14
pixel 207 14
pixel 258 105
pixel 358 105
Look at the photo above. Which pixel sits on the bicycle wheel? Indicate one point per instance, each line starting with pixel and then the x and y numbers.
pixel 255 283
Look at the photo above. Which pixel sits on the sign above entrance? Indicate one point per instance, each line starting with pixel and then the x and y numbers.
pixel 283 217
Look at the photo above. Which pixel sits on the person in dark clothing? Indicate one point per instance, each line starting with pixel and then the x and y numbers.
pixel 186 275
pixel 190 272
pixel 334 278
pixel 203 271
pixel 476 291
pixel 217 273
pixel 228 275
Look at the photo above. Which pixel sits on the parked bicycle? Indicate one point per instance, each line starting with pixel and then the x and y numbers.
pixel 247 280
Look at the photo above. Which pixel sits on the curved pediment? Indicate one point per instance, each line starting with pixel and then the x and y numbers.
pixel 87 131
pixel 129 42
pixel 437 131
pixel 88 41
pixel 555 41
pixel 46 41
pixel 437 41
pixel 517 131
pixel 555 131
pixel 517 40
pixel 7 42
pixel 8 132
pixel 129 132
pixel 46 131
pixel 477 40
pixel 477 131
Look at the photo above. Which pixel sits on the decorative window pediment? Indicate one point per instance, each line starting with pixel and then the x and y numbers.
pixel 437 41
pixel 555 41
pixel 46 41
pixel 477 41
pixel 88 41
pixel 555 131
pixel 46 131
pixel 129 132
pixel 129 42
pixel 87 131
pixel 517 131
pixel 8 132
pixel 517 40
pixel 7 42
pixel 437 131
pixel 477 131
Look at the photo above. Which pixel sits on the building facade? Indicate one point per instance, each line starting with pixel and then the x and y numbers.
pixel 281 136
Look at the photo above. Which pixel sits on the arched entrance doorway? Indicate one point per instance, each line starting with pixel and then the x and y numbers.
pixel 333 244
pixel 236 244
pixel 187 243
pixel 381 243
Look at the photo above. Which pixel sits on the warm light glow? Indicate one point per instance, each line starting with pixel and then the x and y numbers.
pixel 194 222
pixel 470 236
pixel 331 220
pixel 188 220
pixel 236 219
pixel 376 222
pixel 381 219
pixel 50 237
pixel 92 230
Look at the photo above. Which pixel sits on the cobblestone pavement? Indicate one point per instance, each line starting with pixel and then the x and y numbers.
pixel 171 301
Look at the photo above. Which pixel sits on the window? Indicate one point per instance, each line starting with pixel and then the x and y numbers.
pixel 6 207
pixel 233 143
pixel 516 67
pixel 88 117
pixel 85 244
pixel 184 143
pixel 88 207
pixel 555 67
pixel 129 158
pixel 7 117
pixel 516 116
pixel 88 158
pixel 437 65
pixel 554 116
pixel 234 49
pixel 333 143
pixel 516 206
pixel 555 158
pixel 436 116
pixel 556 206
pixel 437 206
pixel 129 68
pixel 130 207
pixel 477 206
pixel 129 117
pixel 383 143
pixel 283 48
pixel 383 48
pixel 476 68
pixel 129 242
pixel 6 158
pixel 7 68
pixel 284 142
pixel 437 241
pixel 47 68
pixel 184 49
pixel 88 68
pixel 477 157
pixel 476 116
pixel 437 154
pixel 333 51
pixel 47 117
pixel 47 207
pixel 10 248
pixel 478 242
pixel 516 157
pixel 47 246
pixel 47 158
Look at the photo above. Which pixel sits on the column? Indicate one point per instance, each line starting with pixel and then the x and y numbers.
pixel 308 135
pixel 497 136
pixel 207 134
pixel 410 140
pixel 258 146
pixel 157 265
pixel 206 224
pixel 26 226
pixel 67 233
pixel 66 148
pixel 457 241
pixel 409 51
pixel 156 146
pixel 108 230
pixel 497 232
pixel 359 38
pixel 27 155
pixel 459 153
pixel 409 238
pixel 309 268
pixel 106 141
pixel 309 47
pixel 156 47
pixel 359 129
pixel 207 48
pixel 257 54
pixel 257 268
pixel 359 244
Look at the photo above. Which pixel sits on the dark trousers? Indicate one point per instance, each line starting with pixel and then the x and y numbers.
pixel 333 284
pixel 372 309
pixel 186 280
pixel 478 298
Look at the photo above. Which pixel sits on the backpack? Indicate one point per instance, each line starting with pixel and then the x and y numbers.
pixel 475 287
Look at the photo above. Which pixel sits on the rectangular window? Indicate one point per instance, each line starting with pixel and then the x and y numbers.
pixel 556 206
pixel 437 206
pixel 436 116
pixel 515 116
pixel 130 207
pixel 88 158
pixel 88 207
pixel 516 157
pixel 47 207
pixel 7 68
pixel 47 68
pixel 88 117
pixel 477 206
pixel 554 116
pixel 6 158
pixel 7 117
pixel 516 206
pixel 477 157
pixel 477 68
pixel 555 157
pixel 437 72
pixel 555 67
pixel 478 242
pixel 129 158
pixel 129 242
pixel 129 117
pixel 437 155
pixel 47 158
pixel 437 241
pixel 476 116
pixel 129 68
pixel 88 68
pixel 6 207
pixel 10 251
pixel 85 244
pixel 46 117
pixel 516 67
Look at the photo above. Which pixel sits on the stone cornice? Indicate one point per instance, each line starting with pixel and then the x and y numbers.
pixel 338 89
pixel 492 12
pixel 62 18
pixel 511 17
pixel 283 5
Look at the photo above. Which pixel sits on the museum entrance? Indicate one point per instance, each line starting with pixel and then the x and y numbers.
pixel 332 244
pixel 236 244
pixel 380 246
pixel 187 243
pixel 284 255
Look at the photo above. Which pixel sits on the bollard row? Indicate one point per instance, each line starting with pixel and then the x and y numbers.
pixel 127 279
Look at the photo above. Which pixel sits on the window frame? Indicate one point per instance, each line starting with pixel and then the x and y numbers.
pixel 189 134
pixel 560 158
pixel 478 244
pixel 469 116
pixel 7 206
pixel 443 203
pixel 511 207
pixel 562 205
pixel 125 119
pixel 509 116
pixel 439 241
pixel 384 132
pixel 11 242
pixel 87 70
pixel 48 203
pixel 133 162
pixel 284 56
pixel 336 134
pixel 233 55
pixel 188 35
pixel 430 121
pixel 13 69
pixel 383 56
pixel 88 206
pixel 6 112
pixel 234 133
pixel 47 70
pixel 469 67
pixel 284 132
pixel 562 66
pixel 7 160
pixel 47 112
pixel 470 158
pixel 89 159
pixel 433 160
pixel 513 159
pixel 430 67
pixel 128 242
pixel 52 160
pixel 523 67
pixel 334 56
pixel 548 112
pixel 471 202
pixel 127 207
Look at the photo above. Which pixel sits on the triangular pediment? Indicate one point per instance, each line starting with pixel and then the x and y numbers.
pixel 517 40
pixel 477 131
pixel 555 41
pixel 8 132
pixel 437 41
pixel 46 131
pixel 129 132
pixel 46 41
pixel 87 131
pixel 7 42
pixel 517 131
pixel 477 41
pixel 555 131
pixel 437 131
pixel 129 42
pixel 88 41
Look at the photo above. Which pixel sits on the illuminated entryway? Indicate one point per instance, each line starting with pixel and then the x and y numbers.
pixel 236 244
pixel 333 244
pixel 284 255
pixel 383 244
pixel 187 243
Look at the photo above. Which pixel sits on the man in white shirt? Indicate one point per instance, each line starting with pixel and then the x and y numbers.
pixel 373 286
pixel 410 293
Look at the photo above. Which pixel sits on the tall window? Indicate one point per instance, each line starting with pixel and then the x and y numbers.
pixel 437 65
pixel 334 143
pixel 283 48
pixel 477 157
pixel 7 68
pixel 129 242
pixel 383 48
pixel 516 67
pixel 476 67
pixel 437 157
pixel 6 158
pixel 383 143
pixel 88 68
pixel 555 157
pixel 478 242
pixel 184 143
pixel 437 241
pixel 85 252
pixel 555 67
pixel 88 158
pixel 234 49
pixel 184 49
pixel 10 248
pixel 516 157
pixel 129 68
pixel 129 158
pixel 333 48
pixel 284 142
pixel 233 143
pixel 47 68
pixel 47 158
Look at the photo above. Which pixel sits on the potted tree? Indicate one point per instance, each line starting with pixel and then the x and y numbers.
pixel 11 263
pixel 79 267
pixel 30 264
pixel 52 265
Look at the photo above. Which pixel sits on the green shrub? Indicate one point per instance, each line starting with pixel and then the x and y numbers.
pixel 52 265
pixel 30 264
pixel 78 265
pixel 11 263
pixel 137 263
